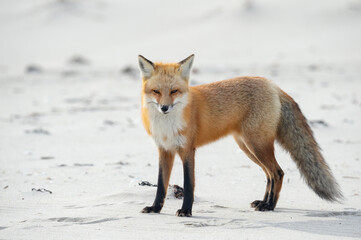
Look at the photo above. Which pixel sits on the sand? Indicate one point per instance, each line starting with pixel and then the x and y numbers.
pixel 73 148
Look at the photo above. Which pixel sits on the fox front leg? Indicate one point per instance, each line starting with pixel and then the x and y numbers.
pixel 188 171
pixel 166 160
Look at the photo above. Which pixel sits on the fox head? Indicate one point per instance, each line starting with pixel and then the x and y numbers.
pixel 165 85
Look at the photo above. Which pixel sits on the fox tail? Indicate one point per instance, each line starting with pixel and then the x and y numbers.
pixel 295 135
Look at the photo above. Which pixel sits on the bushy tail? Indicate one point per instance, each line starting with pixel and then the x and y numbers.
pixel 296 136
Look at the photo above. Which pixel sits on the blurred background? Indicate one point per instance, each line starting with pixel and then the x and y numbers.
pixel 234 34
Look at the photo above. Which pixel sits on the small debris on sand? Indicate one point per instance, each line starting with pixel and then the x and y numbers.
pixel 122 163
pixel 41 190
pixel 130 71
pixel 37 131
pixel 32 68
pixel 315 123
pixel 83 165
pixel 146 183
pixel 178 191
pixel 109 122
pixel 79 60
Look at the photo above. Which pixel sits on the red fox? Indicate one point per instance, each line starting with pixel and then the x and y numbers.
pixel 181 118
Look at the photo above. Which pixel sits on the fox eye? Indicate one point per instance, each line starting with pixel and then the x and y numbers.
pixel 156 91
pixel 173 91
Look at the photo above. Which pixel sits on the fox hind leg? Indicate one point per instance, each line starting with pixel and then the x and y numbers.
pixel 264 152
pixel 250 155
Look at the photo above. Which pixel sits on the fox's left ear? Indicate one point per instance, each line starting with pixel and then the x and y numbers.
pixel 186 66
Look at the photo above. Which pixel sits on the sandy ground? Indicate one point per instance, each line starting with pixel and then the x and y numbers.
pixel 71 125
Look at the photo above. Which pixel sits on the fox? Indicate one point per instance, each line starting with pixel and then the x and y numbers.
pixel 255 111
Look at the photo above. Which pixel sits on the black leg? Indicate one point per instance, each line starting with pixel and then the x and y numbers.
pixel 186 210
pixel 266 195
pixel 255 203
pixel 159 198
pixel 166 160
pixel 270 203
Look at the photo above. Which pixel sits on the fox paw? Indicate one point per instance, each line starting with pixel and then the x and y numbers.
pixel 184 213
pixel 264 206
pixel 254 204
pixel 151 209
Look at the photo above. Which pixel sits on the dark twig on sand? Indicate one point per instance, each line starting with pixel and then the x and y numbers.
pixel 177 190
pixel 146 183
pixel 41 190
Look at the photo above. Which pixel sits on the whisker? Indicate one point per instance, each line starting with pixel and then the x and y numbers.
pixel 152 102
pixel 177 103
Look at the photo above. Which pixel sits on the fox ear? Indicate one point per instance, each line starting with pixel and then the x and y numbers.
pixel 146 67
pixel 186 66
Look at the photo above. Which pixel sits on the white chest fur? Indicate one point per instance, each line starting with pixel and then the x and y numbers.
pixel 165 128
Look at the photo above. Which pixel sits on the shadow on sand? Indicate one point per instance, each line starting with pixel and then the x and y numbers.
pixel 331 223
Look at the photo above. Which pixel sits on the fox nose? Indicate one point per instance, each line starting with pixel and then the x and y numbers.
pixel 164 108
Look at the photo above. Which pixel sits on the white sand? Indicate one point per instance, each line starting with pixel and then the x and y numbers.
pixel 75 129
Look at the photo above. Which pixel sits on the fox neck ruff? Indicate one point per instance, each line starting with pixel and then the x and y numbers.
pixel 166 128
